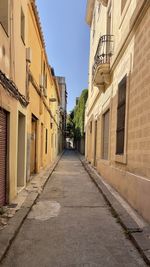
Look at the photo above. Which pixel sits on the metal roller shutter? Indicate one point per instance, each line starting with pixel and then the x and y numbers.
pixel 3 155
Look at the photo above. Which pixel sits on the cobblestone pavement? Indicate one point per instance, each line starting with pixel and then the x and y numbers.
pixel 71 225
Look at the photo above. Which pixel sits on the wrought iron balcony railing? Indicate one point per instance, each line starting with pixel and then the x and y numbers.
pixel 104 51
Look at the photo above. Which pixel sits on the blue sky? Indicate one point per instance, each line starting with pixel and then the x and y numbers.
pixel 67 42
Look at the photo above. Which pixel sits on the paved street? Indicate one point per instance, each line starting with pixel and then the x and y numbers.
pixel 71 225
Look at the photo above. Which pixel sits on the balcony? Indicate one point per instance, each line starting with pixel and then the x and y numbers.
pixel 101 67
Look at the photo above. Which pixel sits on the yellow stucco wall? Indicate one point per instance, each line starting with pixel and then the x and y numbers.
pixel 36 106
pixel 13 64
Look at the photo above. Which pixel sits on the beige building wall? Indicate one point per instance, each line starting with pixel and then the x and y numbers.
pixel 129 172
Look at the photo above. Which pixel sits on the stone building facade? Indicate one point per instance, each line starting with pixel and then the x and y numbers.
pixel 117 119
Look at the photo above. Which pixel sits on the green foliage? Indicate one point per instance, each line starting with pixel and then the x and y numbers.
pixel 70 127
pixel 75 120
pixel 79 115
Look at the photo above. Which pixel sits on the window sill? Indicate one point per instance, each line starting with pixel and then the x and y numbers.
pixel 121 158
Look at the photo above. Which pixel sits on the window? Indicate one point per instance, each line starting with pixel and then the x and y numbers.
pixel 90 126
pixel 99 7
pixel 123 3
pixel 46 80
pixel 22 26
pixel 45 85
pixel 105 135
pixel 4 14
pixel 46 141
pixel 109 21
pixel 52 140
pixel 121 116
pixel 44 68
pixel 94 25
pixel 55 140
pixel 44 75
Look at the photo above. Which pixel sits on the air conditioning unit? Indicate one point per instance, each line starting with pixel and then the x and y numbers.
pixel 28 55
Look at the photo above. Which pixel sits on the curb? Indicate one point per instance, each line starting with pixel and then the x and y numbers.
pixel 140 237
pixel 9 233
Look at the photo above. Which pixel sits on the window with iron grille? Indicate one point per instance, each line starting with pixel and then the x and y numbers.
pixel 121 109
pixel 4 14
pixel 105 135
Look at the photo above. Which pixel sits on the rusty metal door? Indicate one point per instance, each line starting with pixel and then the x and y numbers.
pixel 3 155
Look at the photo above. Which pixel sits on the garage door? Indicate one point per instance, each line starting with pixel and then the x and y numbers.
pixel 3 155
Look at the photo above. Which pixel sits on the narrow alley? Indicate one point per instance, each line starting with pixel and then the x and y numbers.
pixel 71 225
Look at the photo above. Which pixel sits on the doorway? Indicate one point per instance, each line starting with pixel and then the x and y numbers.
pixel 3 156
pixel 33 145
pixel 21 151
pixel 95 143
pixel 42 139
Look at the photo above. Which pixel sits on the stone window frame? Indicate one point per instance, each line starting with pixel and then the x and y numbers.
pixel 103 143
pixel 121 109
pixel 123 157
pixel 108 108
